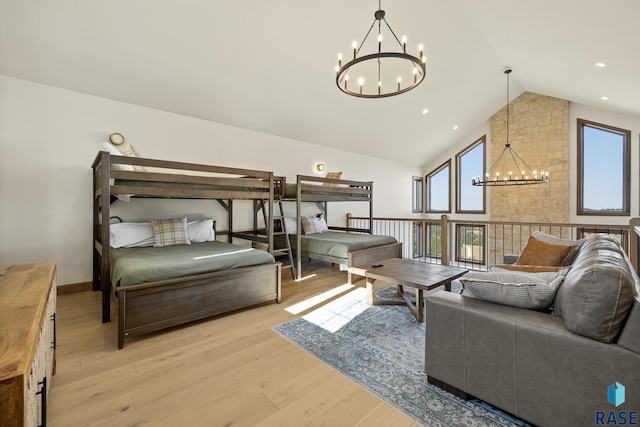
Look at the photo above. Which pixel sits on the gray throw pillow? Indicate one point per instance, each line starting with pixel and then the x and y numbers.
pixel 518 289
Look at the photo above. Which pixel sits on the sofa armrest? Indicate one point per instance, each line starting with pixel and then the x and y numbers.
pixel 471 345
pixel 523 361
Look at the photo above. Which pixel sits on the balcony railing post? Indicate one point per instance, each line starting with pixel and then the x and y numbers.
pixel 349 219
pixel 444 240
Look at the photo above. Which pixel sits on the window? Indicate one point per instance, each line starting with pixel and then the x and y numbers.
pixel 417 194
pixel 470 243
pixel 469 163
pixel 438 189
pixel 603 169
pixel 434 241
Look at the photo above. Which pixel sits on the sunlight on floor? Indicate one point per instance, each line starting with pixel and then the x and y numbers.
pixel 315 300
pixel 337 313
pixel 305 278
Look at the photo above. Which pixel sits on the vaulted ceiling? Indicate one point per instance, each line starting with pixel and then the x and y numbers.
pixel 269 65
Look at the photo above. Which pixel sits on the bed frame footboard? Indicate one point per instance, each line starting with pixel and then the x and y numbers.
pixel 158 305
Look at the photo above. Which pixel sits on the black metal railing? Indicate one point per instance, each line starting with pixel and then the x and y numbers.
pixel 478 245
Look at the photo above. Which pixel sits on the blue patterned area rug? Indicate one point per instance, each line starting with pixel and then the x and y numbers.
pixel 382 348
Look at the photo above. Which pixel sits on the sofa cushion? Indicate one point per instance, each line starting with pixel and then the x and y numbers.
pixel 537 252
pixel 598 291
pixel 518 289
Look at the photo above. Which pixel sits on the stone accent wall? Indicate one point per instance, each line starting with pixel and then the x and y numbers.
pixel 539 133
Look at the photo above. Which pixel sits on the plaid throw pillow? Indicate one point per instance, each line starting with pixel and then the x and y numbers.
pixel 130 151
pixel 169 232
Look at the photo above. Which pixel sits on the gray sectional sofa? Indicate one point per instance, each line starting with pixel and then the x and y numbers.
pixel 549 368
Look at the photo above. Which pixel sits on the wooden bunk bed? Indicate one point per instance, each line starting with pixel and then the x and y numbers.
pixel 155 305
pixel 321 191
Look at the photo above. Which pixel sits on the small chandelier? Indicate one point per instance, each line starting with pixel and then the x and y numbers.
pixel 523 174
pixel 406 71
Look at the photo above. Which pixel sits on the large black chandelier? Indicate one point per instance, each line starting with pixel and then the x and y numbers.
pixel 519 173
pixel 402 72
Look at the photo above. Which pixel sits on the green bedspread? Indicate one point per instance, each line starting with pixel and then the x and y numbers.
pixel 147 264
pixel 338 244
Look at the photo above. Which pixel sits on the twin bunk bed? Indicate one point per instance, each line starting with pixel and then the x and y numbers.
pixel 161 287
pixel 338 245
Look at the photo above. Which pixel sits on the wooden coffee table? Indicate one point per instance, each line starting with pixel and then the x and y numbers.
pixel 402 272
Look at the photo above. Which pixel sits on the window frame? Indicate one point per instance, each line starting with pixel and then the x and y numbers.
pixel 626 184
pixel 483 252
pixel 417 188
pixel 427 188
pixel 482 140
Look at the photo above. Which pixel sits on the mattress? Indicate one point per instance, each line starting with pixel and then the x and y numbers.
pixel 148 264
pixel 337 244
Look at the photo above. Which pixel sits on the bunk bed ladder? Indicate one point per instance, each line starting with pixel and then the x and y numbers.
pixel 281 230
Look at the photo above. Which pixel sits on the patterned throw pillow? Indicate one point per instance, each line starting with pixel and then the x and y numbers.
pixel 130 151
pixel 170 232
pixel 525 290
pixel 332 175
pixel 311 224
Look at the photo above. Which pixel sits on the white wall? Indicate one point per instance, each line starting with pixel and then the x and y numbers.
pixel 49 137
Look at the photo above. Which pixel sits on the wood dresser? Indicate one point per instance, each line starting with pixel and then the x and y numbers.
pixel 27 342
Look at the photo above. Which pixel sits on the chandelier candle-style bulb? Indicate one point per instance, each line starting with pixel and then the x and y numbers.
pixel 399 81
pixel 374 64
pixel 421 49
pixel 361 83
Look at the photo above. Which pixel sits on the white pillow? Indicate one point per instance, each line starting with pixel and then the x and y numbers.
pixel 322 224
pixel 107 146
pixel 313 224
pixel 291 225
pixel 131 234
pixel 201 231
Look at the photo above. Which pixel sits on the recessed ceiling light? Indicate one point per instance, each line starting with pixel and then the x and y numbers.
pixel 601 64
pixel 456 127
pixel 604 98
pixel 425 111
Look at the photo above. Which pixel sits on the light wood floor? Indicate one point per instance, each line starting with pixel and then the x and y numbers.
pixel 232 370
